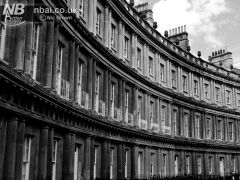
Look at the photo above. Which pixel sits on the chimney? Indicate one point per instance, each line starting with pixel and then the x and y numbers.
pixel 222 58
pixel 179 36
pixel 131 3
pixel 145 13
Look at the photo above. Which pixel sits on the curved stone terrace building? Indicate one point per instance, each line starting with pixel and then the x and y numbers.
pixel 102 94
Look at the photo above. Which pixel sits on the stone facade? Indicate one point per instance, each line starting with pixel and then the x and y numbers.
pixel 104 95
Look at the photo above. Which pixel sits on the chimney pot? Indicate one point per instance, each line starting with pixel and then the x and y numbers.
pixel 212 53
pixel 166 34
pixel 199 54
pixel 132 3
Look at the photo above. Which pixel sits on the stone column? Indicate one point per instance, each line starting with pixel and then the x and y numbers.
pixel 109 27
pixel 105 92
pixel 89 83
pixel 94 16
pixel 28 42
pixel 146 162
pixel 145 60
pixel 179 79
pixel 134 163
pixel 19 47
pixel 124 101
pixel 66 170
pixel 168 74
pixel 94 85
pixel 106 25
pixel 54 64
pixel 120 40
pixel 73 140
pixel 135 105
pixel 158 157
pixel 181 123
pixel 91 15
pixel 109 92
pixel 19 150
pixel 120 161
pixel 105 166
pixel 190 89
pixel 10 149
pixel 72 60
pixel 3 130
pixel 156 67
pixel 43 153
pixel 9 44
pixel 201 88
pixel 87 159
pixel 49 152
pixel 133 51
pixel 120 96
pixel 158 116
pixel 76 73
pixel 49 55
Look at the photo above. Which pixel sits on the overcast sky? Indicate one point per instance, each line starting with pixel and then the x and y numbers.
pixel 211 24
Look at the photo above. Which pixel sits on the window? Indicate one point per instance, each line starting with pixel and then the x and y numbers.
pixel 34 50
pixel 2 39
pixel 111 162
pixel 164 165
pixel 197 127
pixel 150 66
pixel 206 91
pixel 59 68
pixel 188 164
pixel 231 131
pixel 77 166
pixel 140 164
pixel 54 159
pixel 151 112
pixel 162 73
pixel 209 128
pixel 199 165
pixel 79 85
pixel 95 162
pixel 126 48
pixel 152 165
pixel 139 107
pixel 112 100
pixel 217 91
pixel 233 164
pixel 175 122
pixel 185 83
pixel 210 164
pixel 195 87
pixel 186 125
pixel 228 96
pixel 139 55
pixel 221 166
pixel 238 99
pixel 174 79
pixel 97 89
pixel 26 158
pixel 113 37
pixel 176 165
pixel 220 129
pixel 126 105
pixel 126 164
pixel 98 22
pixel 164 117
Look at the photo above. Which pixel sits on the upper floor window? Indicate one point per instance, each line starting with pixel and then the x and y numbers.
pixel 185 83
pixel 233 164
pixel 165 120
pixel 112 100
pixel 206 90
pixel 139 54
pixel 228 96
pixel 186 124
pixel 151 112
pixel 26 158
pixel 174 79
pixel 165 165
pixel 77 166
pixel 220 129
pixel 217 91
pixel 210 165
pixel 126 48
pixel 196 87
pixel 97 91
pixel 152 165
pixel 140 164
pixel 150 66
pixel 79 85
pixel 175 122
pixel 111 162
pixel 197 127
pixel 199 165
pixel 34 50
pixel 126 104
pixel 113 36
pixel 140 107
pixel 98 21
pixel 238 99
pixel 59 67
pixel 209 128
pixel 176 164
pixel 231 131
pixel 162 73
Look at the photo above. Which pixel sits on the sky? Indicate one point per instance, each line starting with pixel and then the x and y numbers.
pixel 211 24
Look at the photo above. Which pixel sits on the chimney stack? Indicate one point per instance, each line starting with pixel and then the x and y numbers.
pixel 145 13
pixel 222 58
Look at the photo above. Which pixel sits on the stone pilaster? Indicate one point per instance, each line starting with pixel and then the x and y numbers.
pixel 91 15
pixel 72 60
pixel 54 64
pixel 134 163
pixel 49 150
pixel 120 161
pixel 10 149
pixel 87 159
pixel 90 81
pixel 94 76
pixel 66 170
pixel 76 73
pixel 146 162
pixel 43 153
pixel 120 40
pixel 49 55
pixel 106 24
pixel 27 53
pixel 135 105
pixel 19 150
pixel 106 92
pixel 105 171
pixel 3 130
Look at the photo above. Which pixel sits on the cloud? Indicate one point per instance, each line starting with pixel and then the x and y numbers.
pixel 199 16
